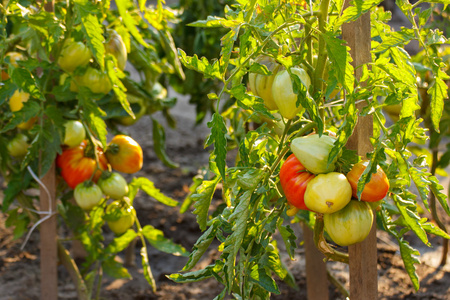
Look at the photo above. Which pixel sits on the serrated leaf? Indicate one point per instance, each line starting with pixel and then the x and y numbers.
pixel 214 21
pixel 437 189
pixel 159 144
pixel 262 277
pixel 395 38
pixel 129 21
pixel 92 29
pixel 355 10
pixel 171 52
pixel 149 187
pixel 218 138
pixel 409 259
pixel 26 82
pixel 202 197
pixel 438 93
pixel 201 65
pixel 289 238
pixel 191 276
pixel 432 229
pixel 156 238
pixel 340 58
pixel 201 246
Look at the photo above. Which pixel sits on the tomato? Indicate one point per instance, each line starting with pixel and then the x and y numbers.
pixel 78 164
pixel 294 179
pixel 16 103
pixel 261 85
pixel 139 109
pixel 73 55
pixel 117 48
pixel 113 185
pixel 283 93
pixel 328 193
pixel 124 154
pixel 74 133
pixel 376 189
pixel 119 216
pixel 18 146
pixel 97 81
pixel 87 195
pixel 351 224
pixel 313 151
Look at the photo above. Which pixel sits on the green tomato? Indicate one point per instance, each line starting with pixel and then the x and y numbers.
pixel 97 81
pixel 18 146
pixel 73 55
pixel 113 185
pixel 313 151
pixel 87 195
pixel 115 46
pixel 351 224
pixel 74 133
pixel 261 85
pixel 328 193
pixel 283 93
pixel 119 217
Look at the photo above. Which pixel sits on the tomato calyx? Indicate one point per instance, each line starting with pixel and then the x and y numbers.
pixel 113 149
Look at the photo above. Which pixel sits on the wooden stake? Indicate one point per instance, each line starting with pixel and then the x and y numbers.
pixel 316 269
pixel 362 256
pixel 48 234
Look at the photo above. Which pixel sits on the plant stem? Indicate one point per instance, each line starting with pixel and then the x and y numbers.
pixel 322 55
pixel 323 246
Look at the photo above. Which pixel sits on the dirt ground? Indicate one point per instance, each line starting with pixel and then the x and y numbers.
pixel 20 273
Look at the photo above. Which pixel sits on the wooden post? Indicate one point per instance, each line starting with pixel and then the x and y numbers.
pixel 362 256
pixel 48 234
pixel 316 269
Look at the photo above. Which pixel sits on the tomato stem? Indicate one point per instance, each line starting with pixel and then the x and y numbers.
pixel 323 246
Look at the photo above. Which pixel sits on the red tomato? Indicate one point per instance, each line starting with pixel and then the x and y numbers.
pixel 375 190
pixel 124 154
pixel 293 179
pixel 78 164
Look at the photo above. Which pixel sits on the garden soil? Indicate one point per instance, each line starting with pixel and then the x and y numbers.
pixel 20 271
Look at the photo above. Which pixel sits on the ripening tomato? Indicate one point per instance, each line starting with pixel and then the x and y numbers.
pixel 117 48
pixel 124 154
pixel 328 193
pixel 294 179
pixel 74 133
pixel 313 151
pixel 113 185
pixel 96 80
pixel 18 146
pixel 73 55
pixel 119 216
pixel 87 195
pixel 376 189
pixel 351 224
pixel 78 164
pixel 283 93
pixel 261 85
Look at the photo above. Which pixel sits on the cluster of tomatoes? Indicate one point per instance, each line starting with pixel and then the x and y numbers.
pixel 94 173
pixel 310 183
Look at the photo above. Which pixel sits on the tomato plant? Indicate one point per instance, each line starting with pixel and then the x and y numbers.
pixel 80 163
pixel 18 146
pixel 351 224
pixel 294 179
pixel 374 190
pixel 124 154
pixel 87 195
pixel 119 216
pixel 113 185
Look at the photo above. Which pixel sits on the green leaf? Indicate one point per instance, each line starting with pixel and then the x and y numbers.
pixel 156 238
pixel 148 186
pixel 218 138
pixel 228 41
pixel 262 277
pixel 159 144
pixel 340 58
pixel 171 52
pixel 191 276
pixel 438 93
pixel 396 38
pixel 196 182
pixel 201 65
pixel 289 238
pixel 437 189
pixel 202 197
pixel 432 229
pixel 26 82
pixel 233 242
pixel 92 29
pixel 92 116
pixel 146 269
pixel 409 259
pixel 115 269
pixel 121 242
pixel 214 21
pixel 355 10
pixel 201 245
pixel 123 7
pixel 114 74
